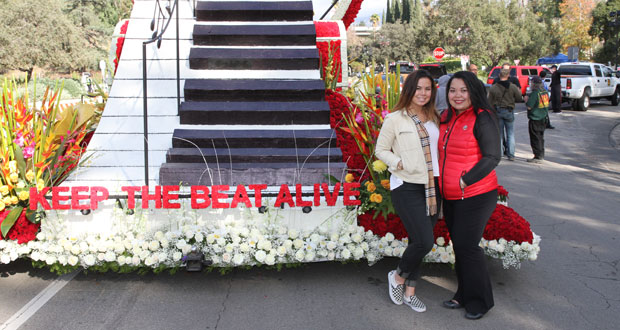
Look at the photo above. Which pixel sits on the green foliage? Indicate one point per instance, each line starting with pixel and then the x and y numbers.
pixel 452 64
pixel 600 29
pixel 389 16
pixel 61 35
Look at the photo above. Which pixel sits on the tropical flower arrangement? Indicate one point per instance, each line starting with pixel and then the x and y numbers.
pixel 40 144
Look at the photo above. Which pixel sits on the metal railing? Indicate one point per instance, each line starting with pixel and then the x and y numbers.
pixel 159 24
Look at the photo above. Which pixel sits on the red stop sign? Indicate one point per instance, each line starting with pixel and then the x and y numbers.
pixel 438 53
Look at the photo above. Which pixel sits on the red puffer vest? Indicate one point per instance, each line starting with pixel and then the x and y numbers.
pixel 458 153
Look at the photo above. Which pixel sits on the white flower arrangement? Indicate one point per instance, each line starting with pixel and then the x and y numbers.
pixel 232 243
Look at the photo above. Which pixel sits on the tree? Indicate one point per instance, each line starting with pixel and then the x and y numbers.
pixel 549 12
pixel 389 17
pixel 397 13
pixel 600 29
pixel 575 24
pixel 406 16
pixel 37 33
pixel 375 19
pixel 489 31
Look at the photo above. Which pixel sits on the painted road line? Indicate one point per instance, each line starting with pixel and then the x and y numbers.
pixel 21 316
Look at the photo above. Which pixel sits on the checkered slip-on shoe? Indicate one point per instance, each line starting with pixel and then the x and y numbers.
pixel 415 303
pixel 396 290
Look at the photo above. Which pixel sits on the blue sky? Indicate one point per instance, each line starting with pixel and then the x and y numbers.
pixel 369 7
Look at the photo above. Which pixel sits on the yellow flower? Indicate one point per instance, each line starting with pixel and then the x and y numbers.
pixel 40 185
pixel 20 185
pixel 30 175
pixel 14 200
pixel 371 187
pixel 4 190
pixel 2 206
pixel 13 166
pixel 7 200
pixel 14 177
pixel 377 198
pixel 379 166
pixel 349 178
pixel 24 195
pixel 385 183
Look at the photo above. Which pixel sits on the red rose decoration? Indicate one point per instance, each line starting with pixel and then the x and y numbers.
pixel 23 230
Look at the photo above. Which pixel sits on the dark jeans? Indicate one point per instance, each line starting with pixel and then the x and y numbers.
pixel 536 129
pixel 556 97
pixel 409 201
pixel 466 220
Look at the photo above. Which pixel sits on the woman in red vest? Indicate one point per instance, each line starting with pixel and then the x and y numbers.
pixel 469 150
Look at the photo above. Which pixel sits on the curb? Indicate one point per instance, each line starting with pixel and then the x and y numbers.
pixel 614 136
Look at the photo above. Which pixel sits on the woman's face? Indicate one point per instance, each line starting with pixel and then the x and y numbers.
pixel 458 95
pixel 423 92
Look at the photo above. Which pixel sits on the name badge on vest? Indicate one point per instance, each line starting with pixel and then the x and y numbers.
pixel 465 127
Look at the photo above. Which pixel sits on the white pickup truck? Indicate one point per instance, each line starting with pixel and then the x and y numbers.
pixel 584 81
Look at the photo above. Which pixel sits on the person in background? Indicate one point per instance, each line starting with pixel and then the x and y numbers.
pixel 542 75
pixel 473 69
pixel 537 110
pixel 556 89
pixel 502 96
pixel 441 103
pixel 469 151
pixel 407 143
pixel 512 79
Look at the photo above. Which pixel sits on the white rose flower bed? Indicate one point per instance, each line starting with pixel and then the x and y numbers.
pixel 233 243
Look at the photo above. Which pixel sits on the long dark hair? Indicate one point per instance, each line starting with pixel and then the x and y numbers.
pixel 475 88
pixel 409 88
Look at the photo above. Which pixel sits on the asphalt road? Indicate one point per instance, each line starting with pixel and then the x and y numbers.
pixel 571 201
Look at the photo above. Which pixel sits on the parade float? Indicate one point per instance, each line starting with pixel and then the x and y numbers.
pixel 272 164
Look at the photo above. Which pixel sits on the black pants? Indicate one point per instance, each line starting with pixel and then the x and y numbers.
pixel 556 97
pixel 409 201
pixel 536 129
pixel 466 220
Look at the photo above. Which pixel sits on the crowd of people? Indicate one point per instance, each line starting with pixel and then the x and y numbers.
pixel 442 142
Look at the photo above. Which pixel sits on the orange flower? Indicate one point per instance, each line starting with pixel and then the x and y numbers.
pixel 349 178
pixel 377 198
pixel 371 187
pixel 385 183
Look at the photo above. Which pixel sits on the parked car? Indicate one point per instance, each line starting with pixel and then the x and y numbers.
pixel 405 67
pixel 435 69
pixel 522 72
pixel 584 81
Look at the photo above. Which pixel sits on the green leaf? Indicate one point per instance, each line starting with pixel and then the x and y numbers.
pixel 19 157
pixel 331 178
pixel 31 215
pixel 10 220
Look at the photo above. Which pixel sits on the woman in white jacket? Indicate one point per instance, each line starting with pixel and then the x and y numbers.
pixel 407 143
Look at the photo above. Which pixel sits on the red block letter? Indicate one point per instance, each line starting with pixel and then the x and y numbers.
pixel 284 196
pixel 331 198
pixel 146 197
pixel 95 198
pixel 76 198
pixel 131 195
pixel 200 192
pixel 168 197
pixel 317 194
pixel 258 195
pixel 216 195
pixel 349 192
pixel 241 195
pixel 57 197
pixel 37 197
pixel 298 201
